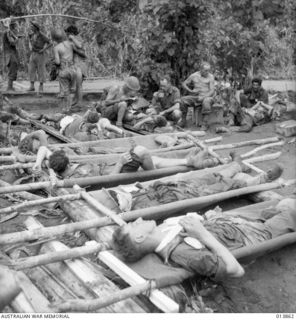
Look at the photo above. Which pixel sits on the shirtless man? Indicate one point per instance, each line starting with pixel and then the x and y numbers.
pixel 115 106
pixel 64 58
pixel 201 95
pixel 138 157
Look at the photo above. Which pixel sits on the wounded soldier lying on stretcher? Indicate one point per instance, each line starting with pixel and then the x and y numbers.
pixel 202 245
pixel 131 161
pixel 90 126
pixel 159 192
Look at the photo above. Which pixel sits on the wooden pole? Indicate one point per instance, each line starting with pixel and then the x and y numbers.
pixel 116 179
pixel 245 143
pixel 18 165
pixel 251 252
pixel 194 204
pixel 90 277
pixel 270 145
pixel 24 195
pixel 210 151
pixel 96 304
pixel 5 150
pixel 28 204
pixel 52 257
pixel 159 212
pixel 98 206
pixel 265 157
pixel 180 134
pixel 51 232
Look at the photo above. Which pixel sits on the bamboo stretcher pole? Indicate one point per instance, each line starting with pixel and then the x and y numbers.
pixel 183 146
pixel 52 257
pixel 159 212
pixel 132 278
pixel 89 277
pixel 13 158
pixel 54 231
pixel 266 146
pixel 265 157
pixel 98 206
pixel 18 165
pixel 251 252
pixel 96 304
pixel 245 143
pixel 203 147
pixel 28 204
pixel 181 134
pixel 114 180
pixel 5 150
pixel 88 157
pixel 24 195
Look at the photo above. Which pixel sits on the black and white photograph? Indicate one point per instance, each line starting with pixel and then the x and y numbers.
pixel 148 159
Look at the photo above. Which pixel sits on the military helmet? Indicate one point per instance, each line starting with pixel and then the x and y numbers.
pixel 132 83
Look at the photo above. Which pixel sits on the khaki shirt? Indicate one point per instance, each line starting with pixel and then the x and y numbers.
pixel 166 99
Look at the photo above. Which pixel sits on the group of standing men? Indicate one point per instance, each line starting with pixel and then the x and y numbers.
pixel 38 43
pixel 69 59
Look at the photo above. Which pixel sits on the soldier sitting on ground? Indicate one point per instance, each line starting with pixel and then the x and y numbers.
pixel 250 96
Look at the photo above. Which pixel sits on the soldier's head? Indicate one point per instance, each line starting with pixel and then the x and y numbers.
pixel 165 83
pixel 131 86
pixel 135 239
pixel 205 69
pixel 58 161
pixel 72 30
pixel 57 35
pixel 256 83
pixel 93 117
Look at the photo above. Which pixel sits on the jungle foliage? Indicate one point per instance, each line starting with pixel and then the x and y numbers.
pixel 238 37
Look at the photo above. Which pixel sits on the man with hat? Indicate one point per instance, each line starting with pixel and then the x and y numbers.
pixel 38 43
pixel 115 106
pixel 254 94
pixel 201 88
pixel 10 38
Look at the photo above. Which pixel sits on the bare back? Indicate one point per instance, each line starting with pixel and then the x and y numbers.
pixel 64 52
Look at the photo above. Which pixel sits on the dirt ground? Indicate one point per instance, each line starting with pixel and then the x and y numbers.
pixel 269 284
